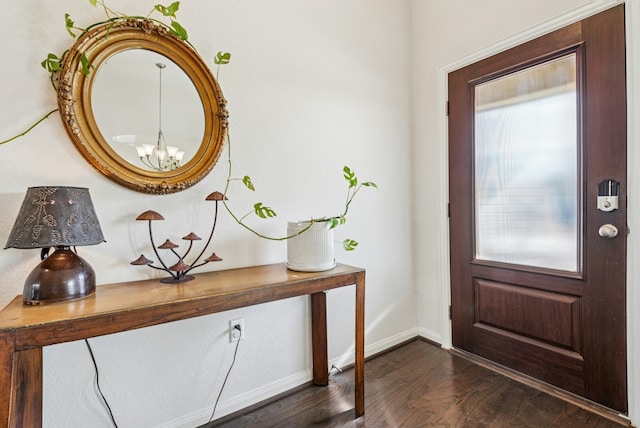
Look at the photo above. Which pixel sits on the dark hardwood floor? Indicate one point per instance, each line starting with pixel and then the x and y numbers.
pixel 421 385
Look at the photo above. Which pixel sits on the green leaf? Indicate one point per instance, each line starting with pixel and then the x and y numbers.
pixel 350 176
pixel 336 221
pixel 178 31
pixel 69 24
pixel 262 211
pixel 349 244
pixel 86 65
pixel 370 184
pixel 168 11
pixel 248 183
pixel 93 2
pixel 51 63
pixel 173 8
pixel 222 58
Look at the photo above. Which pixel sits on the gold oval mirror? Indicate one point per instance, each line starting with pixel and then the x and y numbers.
pixel 142 106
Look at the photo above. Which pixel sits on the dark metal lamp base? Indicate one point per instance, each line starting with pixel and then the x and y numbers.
pixel 61 277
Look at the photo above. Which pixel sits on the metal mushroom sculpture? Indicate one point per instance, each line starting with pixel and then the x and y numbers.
pixel 179 271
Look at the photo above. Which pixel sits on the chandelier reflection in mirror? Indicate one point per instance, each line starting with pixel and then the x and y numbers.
pixel 160 157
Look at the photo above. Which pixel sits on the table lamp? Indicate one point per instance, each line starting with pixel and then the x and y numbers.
pixel 59 217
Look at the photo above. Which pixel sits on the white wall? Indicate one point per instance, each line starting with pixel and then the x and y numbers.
pixel 332 79
pixel 312 86
pixel 467 31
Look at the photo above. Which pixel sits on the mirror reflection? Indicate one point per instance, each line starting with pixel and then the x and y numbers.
pixel 148 110
pixel 526 167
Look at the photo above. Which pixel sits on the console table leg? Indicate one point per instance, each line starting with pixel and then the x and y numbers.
pixel 359 363
pixel 26 398
pixel 319 338
pixel 7 348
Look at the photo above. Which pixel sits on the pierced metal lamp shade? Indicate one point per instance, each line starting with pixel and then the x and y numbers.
pixel 60 217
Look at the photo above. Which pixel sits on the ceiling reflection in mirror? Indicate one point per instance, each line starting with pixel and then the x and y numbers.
pixel 147 109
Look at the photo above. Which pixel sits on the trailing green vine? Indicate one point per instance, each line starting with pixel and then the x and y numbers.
pixel 53 62
pixel 264 212
pixel 46 116
pixel 53 65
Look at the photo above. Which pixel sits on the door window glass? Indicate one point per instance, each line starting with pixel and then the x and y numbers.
pixel 526 167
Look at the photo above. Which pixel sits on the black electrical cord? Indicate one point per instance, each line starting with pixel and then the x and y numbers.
pixel 95 366
pixel 226 377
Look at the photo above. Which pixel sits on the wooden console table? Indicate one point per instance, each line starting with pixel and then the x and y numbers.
pixel 114 308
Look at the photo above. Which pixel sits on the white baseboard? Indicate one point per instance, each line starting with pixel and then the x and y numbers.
pixel 391 341
pixel 431 335
pixel 234 404
pixel 239 402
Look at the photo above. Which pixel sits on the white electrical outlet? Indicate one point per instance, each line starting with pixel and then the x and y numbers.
pixel 234 334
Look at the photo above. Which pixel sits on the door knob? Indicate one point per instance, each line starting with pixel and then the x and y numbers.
pixel 608 231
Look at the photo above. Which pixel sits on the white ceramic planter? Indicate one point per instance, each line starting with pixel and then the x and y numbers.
pixel 313 250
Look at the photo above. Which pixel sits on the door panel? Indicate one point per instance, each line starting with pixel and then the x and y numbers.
pixel 533 132
pixel 495 303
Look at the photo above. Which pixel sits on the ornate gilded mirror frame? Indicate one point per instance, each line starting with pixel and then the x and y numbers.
pixel 74 100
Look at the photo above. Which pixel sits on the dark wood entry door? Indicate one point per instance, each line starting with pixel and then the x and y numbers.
pixel 536 135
